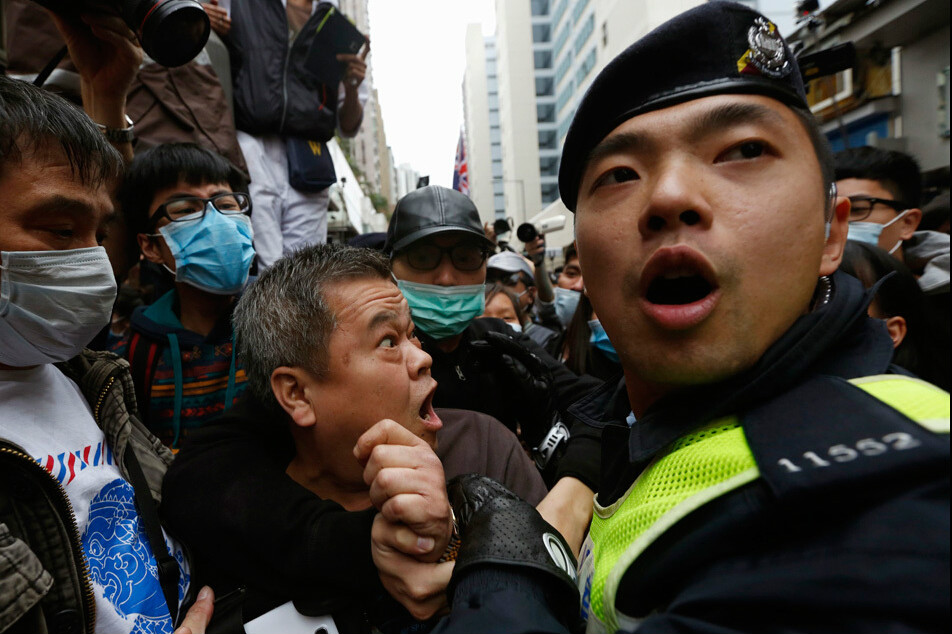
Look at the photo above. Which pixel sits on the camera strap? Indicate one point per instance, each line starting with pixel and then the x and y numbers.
pixel 149 516
pixel 49 68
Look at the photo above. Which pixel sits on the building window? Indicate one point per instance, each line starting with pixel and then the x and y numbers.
pixel 548 140
pixel 584 33
pixel 545 86
pixel 588 63
pixel 541 33
pixel 545 112
pixel 540 7
pixel 542 59
pixel 550 193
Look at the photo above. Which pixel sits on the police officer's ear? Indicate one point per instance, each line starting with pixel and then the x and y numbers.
pixel 838 216
pixel 292 388
pixel 897 329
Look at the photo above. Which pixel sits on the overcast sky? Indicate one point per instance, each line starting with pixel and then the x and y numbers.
pixel 419 57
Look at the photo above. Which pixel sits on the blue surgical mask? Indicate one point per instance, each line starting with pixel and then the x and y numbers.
pixel 514 325
pixel 599 339
pixel 566 301
pixel 213 254
pixel 443 311
pixel 869 232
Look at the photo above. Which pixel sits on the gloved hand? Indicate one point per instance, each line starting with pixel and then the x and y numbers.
pixel 499 529
pixel 525 380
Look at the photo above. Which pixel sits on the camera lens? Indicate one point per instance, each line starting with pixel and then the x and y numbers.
pixel 527 232
pixel 172 32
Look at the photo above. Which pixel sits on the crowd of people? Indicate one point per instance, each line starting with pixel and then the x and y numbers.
pixel 735 421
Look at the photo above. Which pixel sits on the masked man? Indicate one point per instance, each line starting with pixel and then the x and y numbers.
pixel 81 549
pixel 187 208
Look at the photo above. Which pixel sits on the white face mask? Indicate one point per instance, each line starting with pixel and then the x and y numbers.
pixel 52 303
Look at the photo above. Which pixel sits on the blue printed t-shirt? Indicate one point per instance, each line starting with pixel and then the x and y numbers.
pixel 44 412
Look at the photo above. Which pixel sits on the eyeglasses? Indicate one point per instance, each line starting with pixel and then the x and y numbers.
pixel 465 257
pixel 862 206
pixel 185 209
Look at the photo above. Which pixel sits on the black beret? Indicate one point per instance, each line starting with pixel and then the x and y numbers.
pixel 715 48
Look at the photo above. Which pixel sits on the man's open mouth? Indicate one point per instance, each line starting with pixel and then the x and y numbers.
pixel 427 414
pixel 678 287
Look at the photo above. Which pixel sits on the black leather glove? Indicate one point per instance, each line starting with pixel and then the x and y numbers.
pixel 499 529
pixel 523 379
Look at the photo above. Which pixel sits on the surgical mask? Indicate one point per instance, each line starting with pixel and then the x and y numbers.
pixel 599 339
pixel 52 303
pixel 515 326
pixel 566 301
pixel 213 254
pixel 443 311
pixel 869 232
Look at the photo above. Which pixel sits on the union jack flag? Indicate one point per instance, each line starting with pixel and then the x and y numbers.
pixel 460 170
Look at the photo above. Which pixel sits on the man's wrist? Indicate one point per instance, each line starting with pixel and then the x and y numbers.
pixel 125 134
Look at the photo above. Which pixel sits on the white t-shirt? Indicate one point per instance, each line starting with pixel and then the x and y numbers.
pixel 44 412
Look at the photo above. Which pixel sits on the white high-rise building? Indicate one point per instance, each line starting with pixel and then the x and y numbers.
pixel 482 134
pixel 548 52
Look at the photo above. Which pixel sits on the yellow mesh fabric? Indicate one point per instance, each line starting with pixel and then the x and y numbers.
pixel 922 402
pixel 693 463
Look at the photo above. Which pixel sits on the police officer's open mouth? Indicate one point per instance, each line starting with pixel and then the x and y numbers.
pixel 677 276
pixel 678 289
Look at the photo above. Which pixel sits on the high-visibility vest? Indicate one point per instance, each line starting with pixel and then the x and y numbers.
pixel 695 470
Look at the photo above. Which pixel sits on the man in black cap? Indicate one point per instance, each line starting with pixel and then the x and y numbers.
pixel 762 469
pixel 439 252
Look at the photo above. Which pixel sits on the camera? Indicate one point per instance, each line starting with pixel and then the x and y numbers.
pixel 527 232
pixel 172 32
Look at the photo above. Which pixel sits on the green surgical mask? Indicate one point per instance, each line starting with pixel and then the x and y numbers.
pixel 443 311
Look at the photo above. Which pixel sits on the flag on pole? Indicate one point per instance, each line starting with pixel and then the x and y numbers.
pixel 460 170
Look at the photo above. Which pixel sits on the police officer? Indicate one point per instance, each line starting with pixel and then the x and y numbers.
pixel 762 469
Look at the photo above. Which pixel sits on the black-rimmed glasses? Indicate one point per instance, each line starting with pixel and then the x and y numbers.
pixel 185 209
pixel 862 206
pixel 465 257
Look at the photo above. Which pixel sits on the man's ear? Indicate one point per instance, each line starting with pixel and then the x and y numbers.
pixel 897 329
pixel 150 248
pixel 290 389
pixel 910 222
pixel 836 241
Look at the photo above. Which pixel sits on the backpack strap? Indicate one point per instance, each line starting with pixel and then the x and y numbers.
pixel 143 355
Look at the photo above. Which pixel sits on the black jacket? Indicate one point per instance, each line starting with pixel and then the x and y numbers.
pixel 862 547
pixel 468 380
pixel 274 94
pixel 246 522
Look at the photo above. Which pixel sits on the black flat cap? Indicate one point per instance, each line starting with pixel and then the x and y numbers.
pixel 430 210
pixel 715 48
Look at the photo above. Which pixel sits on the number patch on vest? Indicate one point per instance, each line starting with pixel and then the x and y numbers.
pixel 866 447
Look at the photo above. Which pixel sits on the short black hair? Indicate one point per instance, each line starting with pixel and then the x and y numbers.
pixel 165 165
pixel 32 118
pixel 895 171
pixel 898 295
pixel 285 317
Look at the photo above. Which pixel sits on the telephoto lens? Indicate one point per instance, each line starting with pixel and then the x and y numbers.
pixel 172 32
